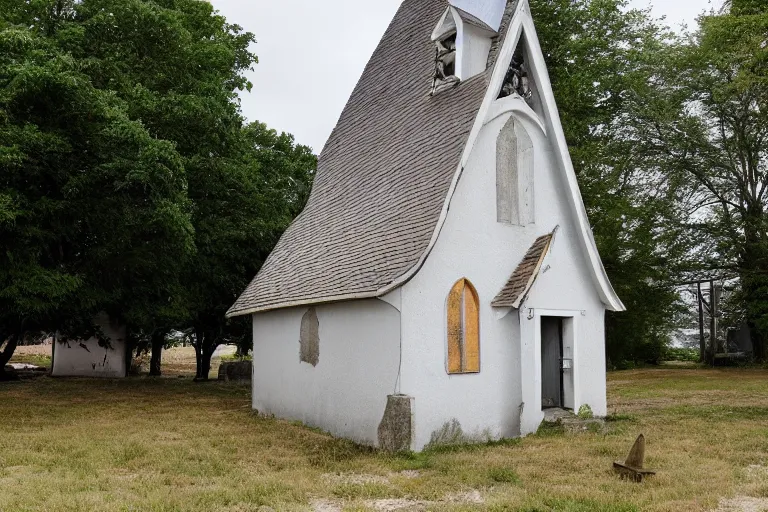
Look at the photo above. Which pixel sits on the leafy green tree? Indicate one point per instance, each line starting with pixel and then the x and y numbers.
pixel 130 182
pixel 178 66
pixel 597 52
pixel 742 7
pixel 91 203
pixel 242 207
pixel 707 120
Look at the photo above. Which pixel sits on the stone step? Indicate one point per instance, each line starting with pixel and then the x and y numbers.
pixel 571 422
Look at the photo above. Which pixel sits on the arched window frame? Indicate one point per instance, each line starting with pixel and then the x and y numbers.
pixel 514 175
pixel 463 329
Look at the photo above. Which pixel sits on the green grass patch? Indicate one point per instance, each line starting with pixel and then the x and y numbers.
pixel 720 413
pixel 621 418
pixel 503 475
pixel 566 505
pixel 550 430
pixel 37 360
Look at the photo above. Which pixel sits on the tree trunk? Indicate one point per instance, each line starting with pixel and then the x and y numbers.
pixel 130 345
pixel 198 344
pixel 758 343
pixel 712 322
pixel 702 342
pixel 205 345
pixel 205 367
pixel 754 283
pixel 6 354
pixel 155 363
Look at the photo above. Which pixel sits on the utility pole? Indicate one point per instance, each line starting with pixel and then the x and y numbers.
pixel 713 319
pixel 702 341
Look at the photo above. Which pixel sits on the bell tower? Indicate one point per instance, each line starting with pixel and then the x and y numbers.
pixel 463 42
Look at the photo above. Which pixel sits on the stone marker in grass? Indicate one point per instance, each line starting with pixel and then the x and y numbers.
pixel 632 468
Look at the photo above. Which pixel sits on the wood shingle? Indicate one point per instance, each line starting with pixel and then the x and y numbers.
pixel 522 279
pixel 382 178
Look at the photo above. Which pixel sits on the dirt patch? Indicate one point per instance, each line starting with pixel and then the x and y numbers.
pixel 354 478
pixel 743 504
pixel 756 471
pixel 34 350
pixel 325 506
pixel 472 496
pixel 410 474
pixel 391 505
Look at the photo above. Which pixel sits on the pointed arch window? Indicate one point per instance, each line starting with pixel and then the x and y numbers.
pixel 463 328
pixel 514 175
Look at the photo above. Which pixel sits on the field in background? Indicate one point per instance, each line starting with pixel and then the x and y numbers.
pixel 177 362
pixel 172 445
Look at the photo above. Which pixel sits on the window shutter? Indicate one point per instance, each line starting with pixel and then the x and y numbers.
pixel 455 334
pixel 471 330
pixel 463 328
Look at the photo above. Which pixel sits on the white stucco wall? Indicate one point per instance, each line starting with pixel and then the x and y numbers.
pixel 475 44
pixel 474 245
pixel 346 393
pixel 86 358
pixel 565 289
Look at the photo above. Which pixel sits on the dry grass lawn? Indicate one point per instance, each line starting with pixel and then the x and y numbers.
pixel 172 445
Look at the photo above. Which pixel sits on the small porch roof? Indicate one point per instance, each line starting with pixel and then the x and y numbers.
pixel 520 283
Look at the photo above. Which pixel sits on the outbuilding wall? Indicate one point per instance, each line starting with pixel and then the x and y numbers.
pixel 473 245
pixel 86 358
pixel 357 366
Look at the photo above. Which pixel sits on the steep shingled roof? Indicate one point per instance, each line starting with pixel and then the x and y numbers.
pixel 524 275
pixel 382 178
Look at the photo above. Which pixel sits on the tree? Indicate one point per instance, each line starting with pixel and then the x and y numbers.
pixel 708 119
pixel 178 66
pixel 597 52
pixel 242 207
pixel 741 7
pixel 90 202
pixel 130 182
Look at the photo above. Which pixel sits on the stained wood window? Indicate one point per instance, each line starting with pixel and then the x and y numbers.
pixel 463 328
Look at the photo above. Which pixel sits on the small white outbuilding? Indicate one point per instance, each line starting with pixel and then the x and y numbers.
pixel 92 357
pixel 443 282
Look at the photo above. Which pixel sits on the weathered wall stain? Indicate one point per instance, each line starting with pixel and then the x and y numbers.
pixel 451 434
pixel 309 339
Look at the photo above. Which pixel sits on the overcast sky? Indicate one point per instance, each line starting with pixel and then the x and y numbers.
pixel 311 54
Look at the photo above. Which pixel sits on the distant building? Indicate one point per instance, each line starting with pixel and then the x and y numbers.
pixel 91 357
pixel 443 281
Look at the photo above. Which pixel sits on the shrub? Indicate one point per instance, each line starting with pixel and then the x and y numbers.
pixel 681 354
pixel 585 412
